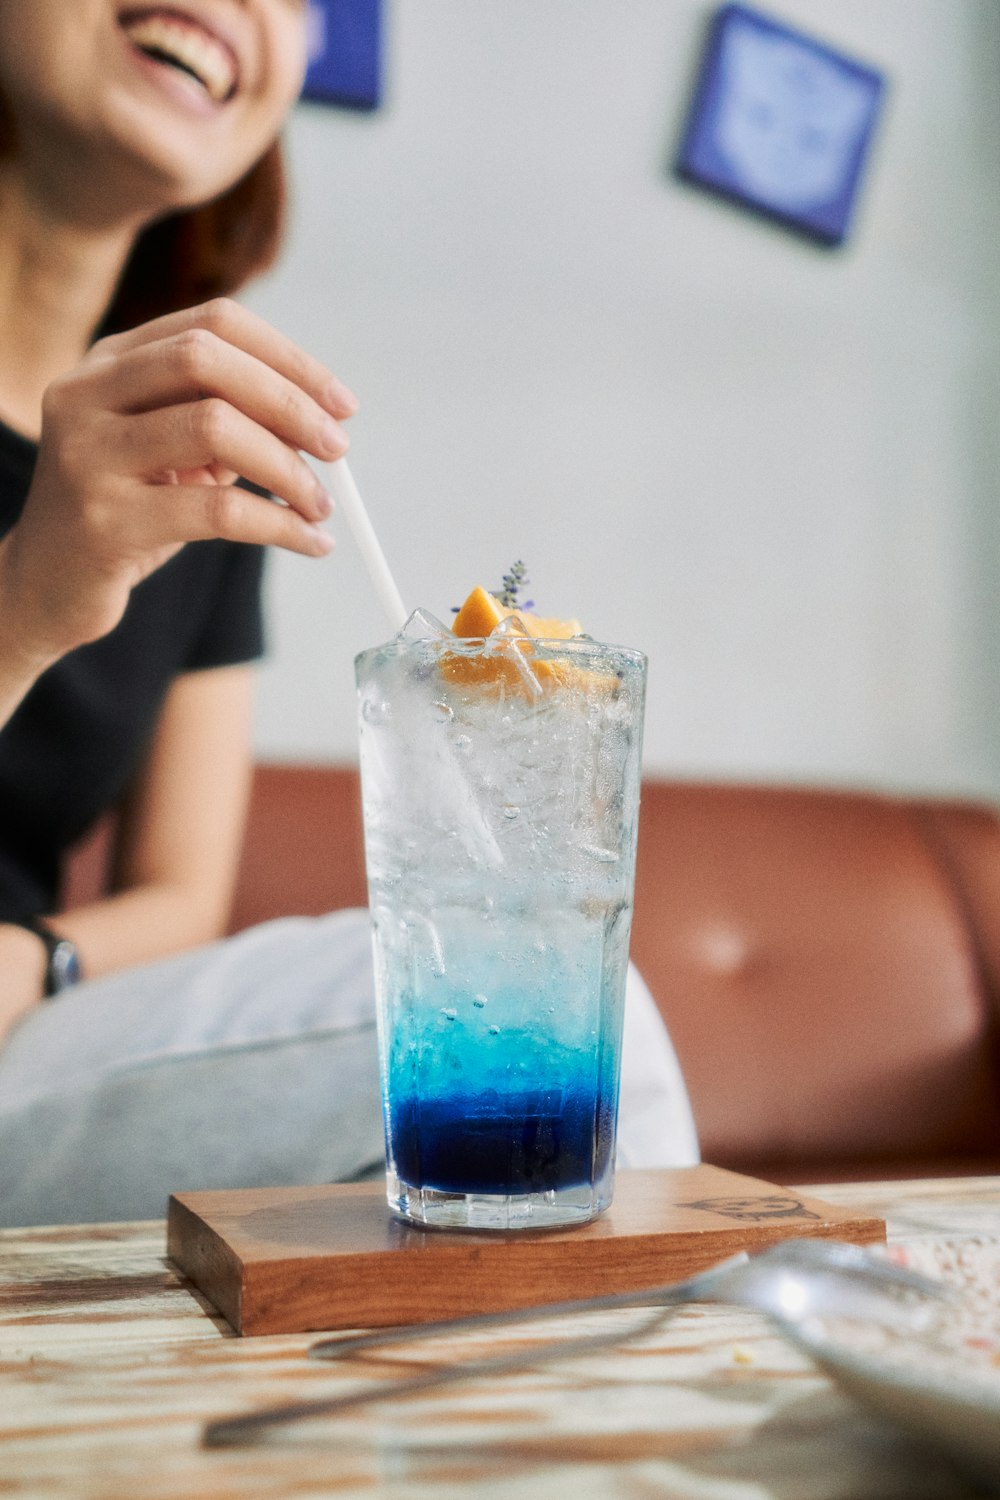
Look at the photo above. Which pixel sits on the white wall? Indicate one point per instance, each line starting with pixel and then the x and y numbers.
pixel 769 465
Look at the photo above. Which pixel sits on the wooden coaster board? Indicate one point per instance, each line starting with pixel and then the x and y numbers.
pixel 297 1259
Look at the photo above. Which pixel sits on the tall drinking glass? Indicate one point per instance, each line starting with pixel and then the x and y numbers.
pixel 500 784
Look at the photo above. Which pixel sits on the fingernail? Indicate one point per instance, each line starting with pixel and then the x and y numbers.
pixel 343 397
pixel 324 502
pixel 323 541
pixel 333 437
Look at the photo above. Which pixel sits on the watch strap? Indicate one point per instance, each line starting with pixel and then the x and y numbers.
pixel 62 961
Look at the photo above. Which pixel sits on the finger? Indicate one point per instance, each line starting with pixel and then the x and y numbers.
pixel 192 513
pixel 201 434
pixel 198 363
pixel 236 325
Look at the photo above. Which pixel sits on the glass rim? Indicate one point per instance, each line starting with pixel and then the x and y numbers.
pixel 579 647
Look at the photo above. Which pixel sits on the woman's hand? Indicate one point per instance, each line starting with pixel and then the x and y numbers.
pixel 140 448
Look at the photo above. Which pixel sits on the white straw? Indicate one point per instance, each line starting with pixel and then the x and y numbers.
pixel 345 493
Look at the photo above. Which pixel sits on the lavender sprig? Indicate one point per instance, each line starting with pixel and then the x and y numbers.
pixel 508 591
pixel 513 582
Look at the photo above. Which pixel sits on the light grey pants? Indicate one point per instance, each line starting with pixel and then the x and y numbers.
pixel 250 1062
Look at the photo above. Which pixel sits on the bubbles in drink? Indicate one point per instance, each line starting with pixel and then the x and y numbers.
pixel 374 711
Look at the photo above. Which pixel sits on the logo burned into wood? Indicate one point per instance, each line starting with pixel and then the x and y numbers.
pixel 755 1210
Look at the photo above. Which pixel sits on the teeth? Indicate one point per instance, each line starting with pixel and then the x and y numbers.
pixel 174 41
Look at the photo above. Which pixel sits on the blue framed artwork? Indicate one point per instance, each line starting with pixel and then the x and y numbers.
pixel 781 123
pixel 345 53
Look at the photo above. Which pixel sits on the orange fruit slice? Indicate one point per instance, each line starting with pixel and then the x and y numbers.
pixel 478 617
pixel 482 613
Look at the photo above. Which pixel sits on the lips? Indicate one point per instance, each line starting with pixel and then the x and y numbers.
pixel 176 40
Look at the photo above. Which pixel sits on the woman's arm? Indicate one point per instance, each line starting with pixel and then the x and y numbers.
pixel 181 830
pixel 178 849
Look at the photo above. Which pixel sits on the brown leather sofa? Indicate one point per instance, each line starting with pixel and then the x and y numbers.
pixel 828 963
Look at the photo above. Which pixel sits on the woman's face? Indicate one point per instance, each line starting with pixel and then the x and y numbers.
pixel 167 102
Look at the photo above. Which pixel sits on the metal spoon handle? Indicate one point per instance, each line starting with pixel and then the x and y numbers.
pixel 340 1346
pixel 232 1431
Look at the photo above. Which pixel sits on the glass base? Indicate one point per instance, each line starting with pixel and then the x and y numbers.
pixel 559 1209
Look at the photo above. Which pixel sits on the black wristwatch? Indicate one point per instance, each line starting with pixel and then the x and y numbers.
pixel 63 967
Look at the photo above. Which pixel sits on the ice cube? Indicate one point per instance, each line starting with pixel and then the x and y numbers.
pixel 511 630
pixel 422 626
pixel 439 781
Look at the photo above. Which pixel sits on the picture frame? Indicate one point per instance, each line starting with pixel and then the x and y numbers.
pixel 780 123
pixel 345 53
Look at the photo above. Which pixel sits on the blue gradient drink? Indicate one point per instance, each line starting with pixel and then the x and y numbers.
pixel 501 788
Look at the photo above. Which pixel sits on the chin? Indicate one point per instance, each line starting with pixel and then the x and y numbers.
pixel 150 172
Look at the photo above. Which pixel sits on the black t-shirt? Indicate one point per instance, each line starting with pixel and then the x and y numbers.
pixel 71 748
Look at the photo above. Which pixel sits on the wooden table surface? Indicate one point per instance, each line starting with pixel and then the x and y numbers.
pixel 110 1365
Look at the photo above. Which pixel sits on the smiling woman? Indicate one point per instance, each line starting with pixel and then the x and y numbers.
pixel 139 174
